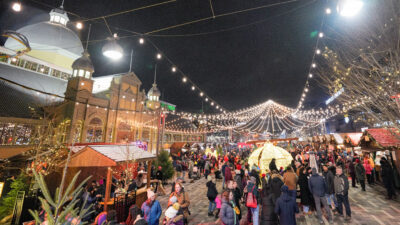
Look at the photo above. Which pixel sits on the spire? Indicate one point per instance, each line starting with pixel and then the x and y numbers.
pixel 155 75
pixel 62 5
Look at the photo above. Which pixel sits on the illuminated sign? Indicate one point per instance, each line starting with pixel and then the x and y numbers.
pixel 333 97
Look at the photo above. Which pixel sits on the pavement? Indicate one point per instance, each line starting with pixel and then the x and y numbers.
pixel 368 208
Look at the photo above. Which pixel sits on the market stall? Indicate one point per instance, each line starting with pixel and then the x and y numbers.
pixel 177 148
pixel 381 142
pixel 262 157
pixel 103 162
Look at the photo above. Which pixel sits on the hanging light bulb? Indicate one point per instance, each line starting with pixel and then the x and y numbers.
pixel 201 94
pixel 328 11
pixel 212 103
pixel 112 49
pixel 79 25
pixel 184 79
pixel 318 51
pixel 206 99
pixel 16 6
pixel 310 75
pixel 141 41
pixel 193 88
pixel 173 69
pixel 314 65
pixel 321 35
pixel 159 56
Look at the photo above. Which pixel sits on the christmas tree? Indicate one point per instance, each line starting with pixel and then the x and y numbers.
pixel 164 161
pixel 7 203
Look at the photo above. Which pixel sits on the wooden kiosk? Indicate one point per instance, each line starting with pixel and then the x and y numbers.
pixel 99 161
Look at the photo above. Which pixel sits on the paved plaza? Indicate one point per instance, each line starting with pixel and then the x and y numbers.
pixel 368 207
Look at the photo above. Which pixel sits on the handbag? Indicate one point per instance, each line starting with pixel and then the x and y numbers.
pixel 251 200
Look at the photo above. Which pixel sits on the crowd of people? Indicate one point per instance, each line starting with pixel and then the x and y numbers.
pixel 315 182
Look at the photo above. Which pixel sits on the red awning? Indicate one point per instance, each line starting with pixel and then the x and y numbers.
pixel 385 136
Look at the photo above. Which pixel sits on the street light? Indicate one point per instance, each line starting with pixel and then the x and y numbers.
pixel 16 6
pixel 349 8
pixel 112 49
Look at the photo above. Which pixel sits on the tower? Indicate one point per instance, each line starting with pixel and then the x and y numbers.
pixel 153 96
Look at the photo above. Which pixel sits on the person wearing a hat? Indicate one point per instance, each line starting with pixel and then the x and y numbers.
pixel 286 207
pixel 151 209
pixel 252 187
pixel 360 173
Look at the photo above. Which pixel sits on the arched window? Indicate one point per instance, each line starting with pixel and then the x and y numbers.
pixel 95 131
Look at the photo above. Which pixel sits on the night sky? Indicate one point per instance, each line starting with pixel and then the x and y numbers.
pixel 266 54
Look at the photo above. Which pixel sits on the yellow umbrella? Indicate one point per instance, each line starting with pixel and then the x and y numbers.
pixel 268 152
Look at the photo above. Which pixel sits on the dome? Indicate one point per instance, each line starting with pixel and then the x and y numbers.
pixel 47 36
pixel 262 156
pixel 154 92
pixel 83 63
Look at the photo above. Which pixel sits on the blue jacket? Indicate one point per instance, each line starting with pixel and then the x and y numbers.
pixel 286 207
pixel 227 214
pixel 317 185
pixel 152 215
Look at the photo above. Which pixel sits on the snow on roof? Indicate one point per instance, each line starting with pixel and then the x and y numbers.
pixel 120 153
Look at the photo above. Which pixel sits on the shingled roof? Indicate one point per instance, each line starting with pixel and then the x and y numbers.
pixel 385 136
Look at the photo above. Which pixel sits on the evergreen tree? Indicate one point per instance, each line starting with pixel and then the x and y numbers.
pixel 7 203
pixel 165 162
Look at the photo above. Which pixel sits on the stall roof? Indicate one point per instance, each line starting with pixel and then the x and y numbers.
pixel 108 155
pixel 354 138
pixel 385 137
pixel 338 138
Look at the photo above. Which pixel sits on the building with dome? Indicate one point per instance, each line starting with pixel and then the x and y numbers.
pixel 53 82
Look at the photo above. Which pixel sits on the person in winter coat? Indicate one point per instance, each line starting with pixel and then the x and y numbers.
pixel 172 216
pixel 268 215
pixel 360 174
pixel 275 184
pixel 368 170
pixel 228 174
pixel 238 180
pixel 134 212
pixel 318 189
pixel 183 200
pixel 272 166
pixel 207 169
pixel 151 209
pixel 218 202
pixel 329 178
pixel 228 214
pixel 211 195
pixel 290 180
pixel 111 218
pixel 286 207
pixel 341 184
pixel 387 177
pixel 252 187
pixel 305 194
pixel 352 172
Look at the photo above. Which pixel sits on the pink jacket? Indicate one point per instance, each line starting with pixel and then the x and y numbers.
pixel 367 167
pixel 218 201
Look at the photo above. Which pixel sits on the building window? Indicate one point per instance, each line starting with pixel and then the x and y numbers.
pixel 81 73
pixel 57 19
pixel 75 73
pixel 56 73
pixel 94 131
pixel 7 133
pixel 62 21
pixel 87 75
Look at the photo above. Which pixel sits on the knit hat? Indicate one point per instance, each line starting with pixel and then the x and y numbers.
pixel 171 212
pixel 209 178
pixel 253 180
pixel 173 199
pixel 176 206
pixel 150 194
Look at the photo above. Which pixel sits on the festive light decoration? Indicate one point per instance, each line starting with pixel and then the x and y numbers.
pixel 16 6
pixel 141 41
pixel 79 25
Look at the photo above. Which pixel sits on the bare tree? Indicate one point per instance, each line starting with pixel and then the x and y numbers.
pixel 362 58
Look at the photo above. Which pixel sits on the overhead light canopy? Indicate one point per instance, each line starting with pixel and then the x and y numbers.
pixel 112 49
pixel 349 8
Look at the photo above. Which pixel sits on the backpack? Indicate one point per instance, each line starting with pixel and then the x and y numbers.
pixel 251 200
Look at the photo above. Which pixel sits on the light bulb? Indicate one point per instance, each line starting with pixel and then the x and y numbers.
pixel 206 99
pixel 201 94
pixel 193 88
pixel 314 65
pixel 318 51
pixel 310 75
pixel 141 41
pixel 159 56
pixel 173 69
pixel 79 25
pixel 16 6
pixel 321 35
pixel 184 79
pixel 328 11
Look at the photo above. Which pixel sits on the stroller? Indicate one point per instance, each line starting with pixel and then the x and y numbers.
pixel 218 175
pixel 196 173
